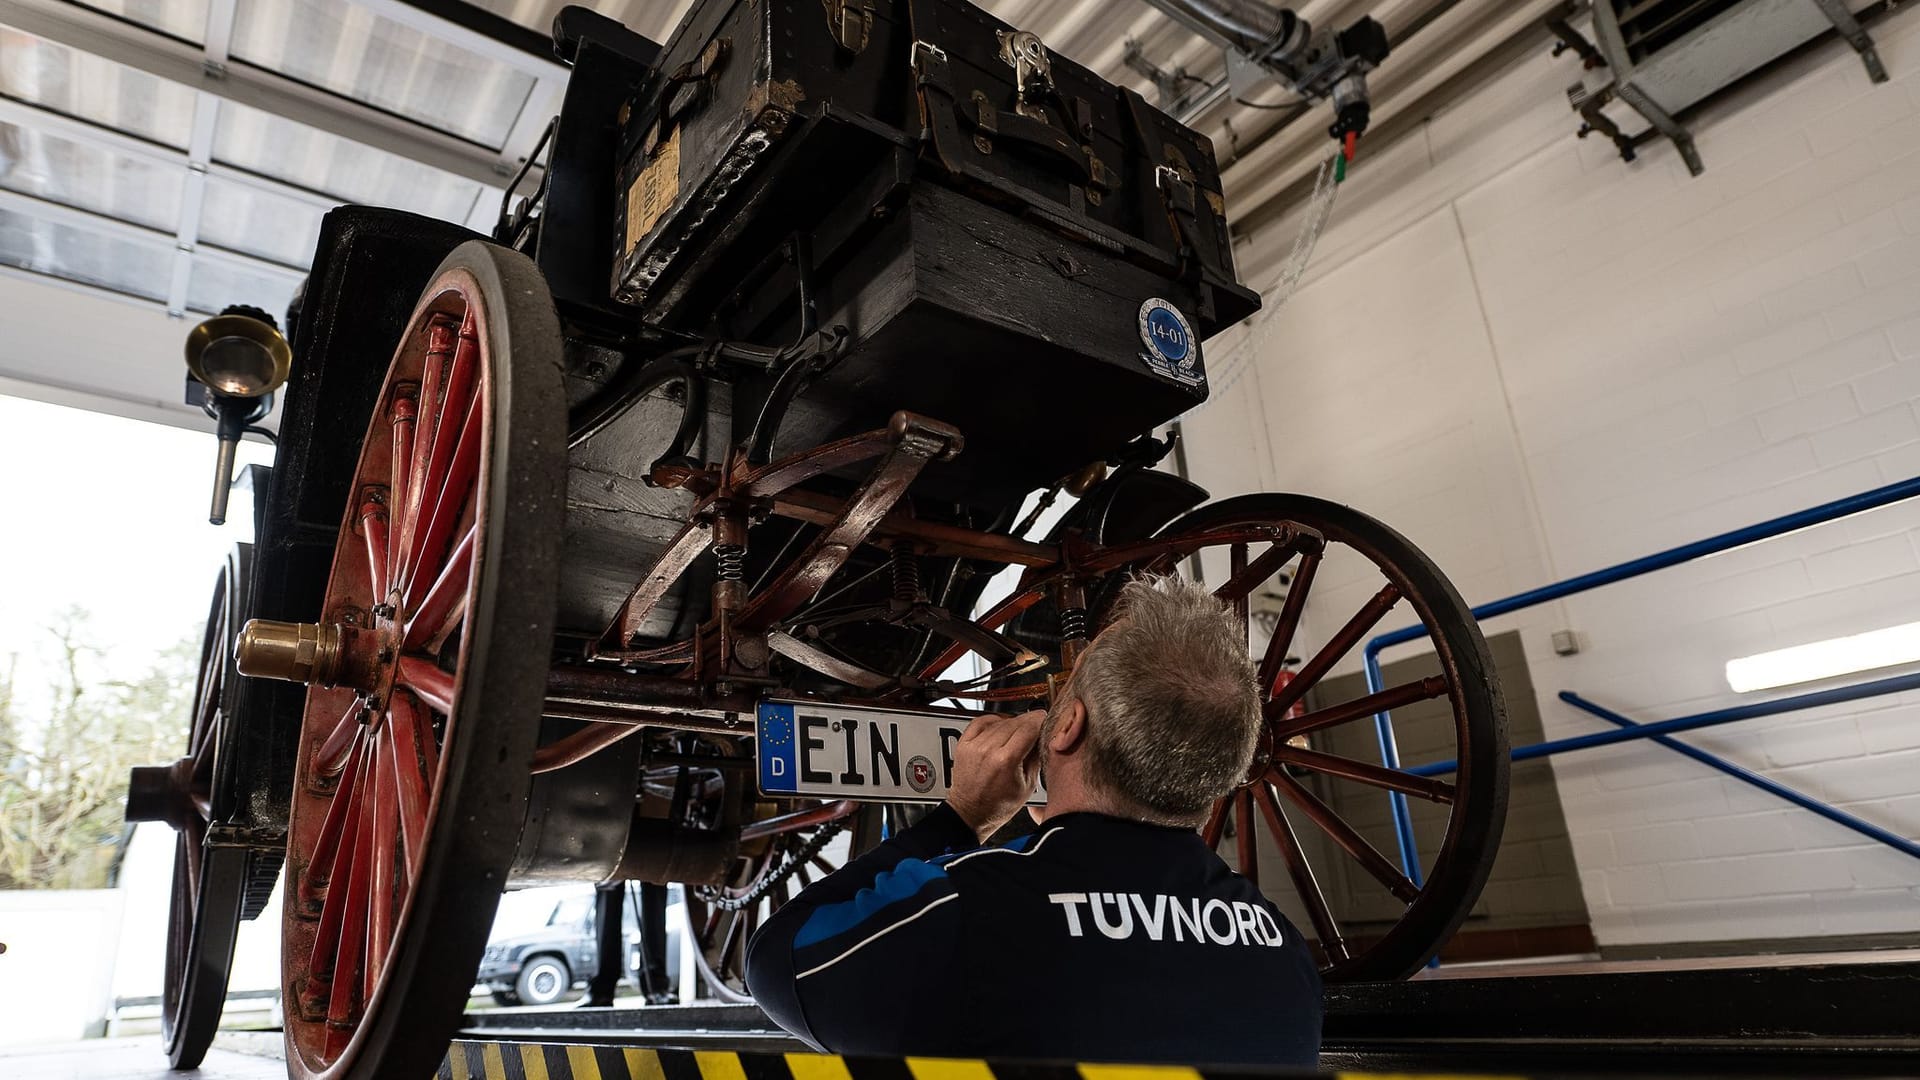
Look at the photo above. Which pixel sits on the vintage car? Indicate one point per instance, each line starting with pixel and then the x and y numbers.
pixel 731 422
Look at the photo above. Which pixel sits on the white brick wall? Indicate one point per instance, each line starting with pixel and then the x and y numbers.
pixel 1536 360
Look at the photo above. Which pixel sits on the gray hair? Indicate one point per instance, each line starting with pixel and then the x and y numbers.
pixel 1173 710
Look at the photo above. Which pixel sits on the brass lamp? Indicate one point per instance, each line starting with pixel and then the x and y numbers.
pixel 238 358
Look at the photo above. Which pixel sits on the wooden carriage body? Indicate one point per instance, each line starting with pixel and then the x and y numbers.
pixel 744 400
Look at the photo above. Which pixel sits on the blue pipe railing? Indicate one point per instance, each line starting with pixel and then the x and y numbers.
pixel 1647 564
pixel 1657 731
pixel 1747 776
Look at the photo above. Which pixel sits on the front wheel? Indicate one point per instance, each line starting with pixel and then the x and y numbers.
pixel 543 981
pixel 414 764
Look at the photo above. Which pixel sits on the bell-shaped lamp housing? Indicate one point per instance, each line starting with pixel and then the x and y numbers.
pixel 239 353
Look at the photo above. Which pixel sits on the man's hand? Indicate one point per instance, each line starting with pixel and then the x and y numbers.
pixel 995 766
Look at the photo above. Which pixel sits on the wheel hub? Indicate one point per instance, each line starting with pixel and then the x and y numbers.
pixel 321 654
pixel 164 793
pixel 292 652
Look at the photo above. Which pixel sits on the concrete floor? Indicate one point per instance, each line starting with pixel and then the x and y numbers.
pixel 1588 965
pixel 235 1056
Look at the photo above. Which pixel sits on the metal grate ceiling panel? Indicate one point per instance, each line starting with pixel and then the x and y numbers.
pixel 351 51
pixel 216 284
pixel 89 88
pixel 89 177
pixel 251 117
pixel 246 218
pixel 345 171
pixel 116 263
pixel 183 19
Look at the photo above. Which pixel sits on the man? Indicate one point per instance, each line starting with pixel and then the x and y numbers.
pixel 1112 933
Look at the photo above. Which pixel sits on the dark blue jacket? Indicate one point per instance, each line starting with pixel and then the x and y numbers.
pixel 1092 939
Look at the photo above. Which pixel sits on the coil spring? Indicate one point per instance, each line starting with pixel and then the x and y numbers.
pixel 906 577
pixel 1073 623
pixel 731 560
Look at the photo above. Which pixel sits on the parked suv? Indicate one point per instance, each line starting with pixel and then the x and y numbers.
pixel 539 967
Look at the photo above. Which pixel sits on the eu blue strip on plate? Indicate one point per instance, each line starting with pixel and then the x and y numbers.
pixel 774 747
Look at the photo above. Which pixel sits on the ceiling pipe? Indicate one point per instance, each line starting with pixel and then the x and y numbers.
pixel 1251 26
pixel 1313 66
pixel 1261 174
pixel 1399 39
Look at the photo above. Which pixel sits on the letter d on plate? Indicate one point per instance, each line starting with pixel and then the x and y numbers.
pixel 773 733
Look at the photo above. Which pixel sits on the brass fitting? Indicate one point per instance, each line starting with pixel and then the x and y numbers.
pixel 295 652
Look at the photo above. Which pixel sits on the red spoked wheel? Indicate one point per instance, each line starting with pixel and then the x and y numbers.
pixel 1371 579
pixel 414 754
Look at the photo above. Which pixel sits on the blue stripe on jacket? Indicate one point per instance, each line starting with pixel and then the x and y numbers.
pixel 909 878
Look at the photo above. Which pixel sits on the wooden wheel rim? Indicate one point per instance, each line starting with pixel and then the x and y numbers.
pixel 441 847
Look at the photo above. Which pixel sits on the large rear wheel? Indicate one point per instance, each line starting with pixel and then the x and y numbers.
pixel 1302 793
pixel 413 765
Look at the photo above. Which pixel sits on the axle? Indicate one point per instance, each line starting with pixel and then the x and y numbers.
pixel 333 654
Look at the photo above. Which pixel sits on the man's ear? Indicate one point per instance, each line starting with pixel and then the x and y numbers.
pixel 1069 727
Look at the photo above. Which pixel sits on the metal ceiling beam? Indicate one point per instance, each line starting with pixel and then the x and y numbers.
pixel 193 192
pixel 35 277
pixel 91 398
pixel 73 217
pixel 86 132
pixel 176 61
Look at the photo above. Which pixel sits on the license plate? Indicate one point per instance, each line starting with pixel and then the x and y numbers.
pixel 856 752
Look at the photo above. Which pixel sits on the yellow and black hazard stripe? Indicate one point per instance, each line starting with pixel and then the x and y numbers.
pixel 574 1061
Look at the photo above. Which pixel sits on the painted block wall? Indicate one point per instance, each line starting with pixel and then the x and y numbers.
pixel 1536 360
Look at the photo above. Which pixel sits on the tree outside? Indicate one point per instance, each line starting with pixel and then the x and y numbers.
pixel 66 748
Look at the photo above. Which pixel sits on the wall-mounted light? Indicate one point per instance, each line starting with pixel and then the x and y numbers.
pixel 1826 659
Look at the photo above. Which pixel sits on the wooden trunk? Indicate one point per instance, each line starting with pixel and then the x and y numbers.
pixel 996 270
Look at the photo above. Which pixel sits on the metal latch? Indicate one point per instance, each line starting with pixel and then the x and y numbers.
pixel 850 22
pixel 1032 69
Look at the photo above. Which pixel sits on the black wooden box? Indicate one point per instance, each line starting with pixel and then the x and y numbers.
pixel 1005 234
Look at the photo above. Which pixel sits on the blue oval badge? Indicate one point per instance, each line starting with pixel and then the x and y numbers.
pixel 1172 351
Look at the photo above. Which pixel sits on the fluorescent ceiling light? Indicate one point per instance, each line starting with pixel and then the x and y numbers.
pixel 1826 659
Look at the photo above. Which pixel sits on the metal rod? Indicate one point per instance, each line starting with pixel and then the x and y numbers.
pixel 1876 688
pixel 579 746
pixel 799 819
pixel 1712 545
pixel 606 687
pixel 1748 776
pixel 817 509
pixel 639 717
pixel 222 480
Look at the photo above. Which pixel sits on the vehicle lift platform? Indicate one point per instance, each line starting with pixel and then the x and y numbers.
pixel 1843 1014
